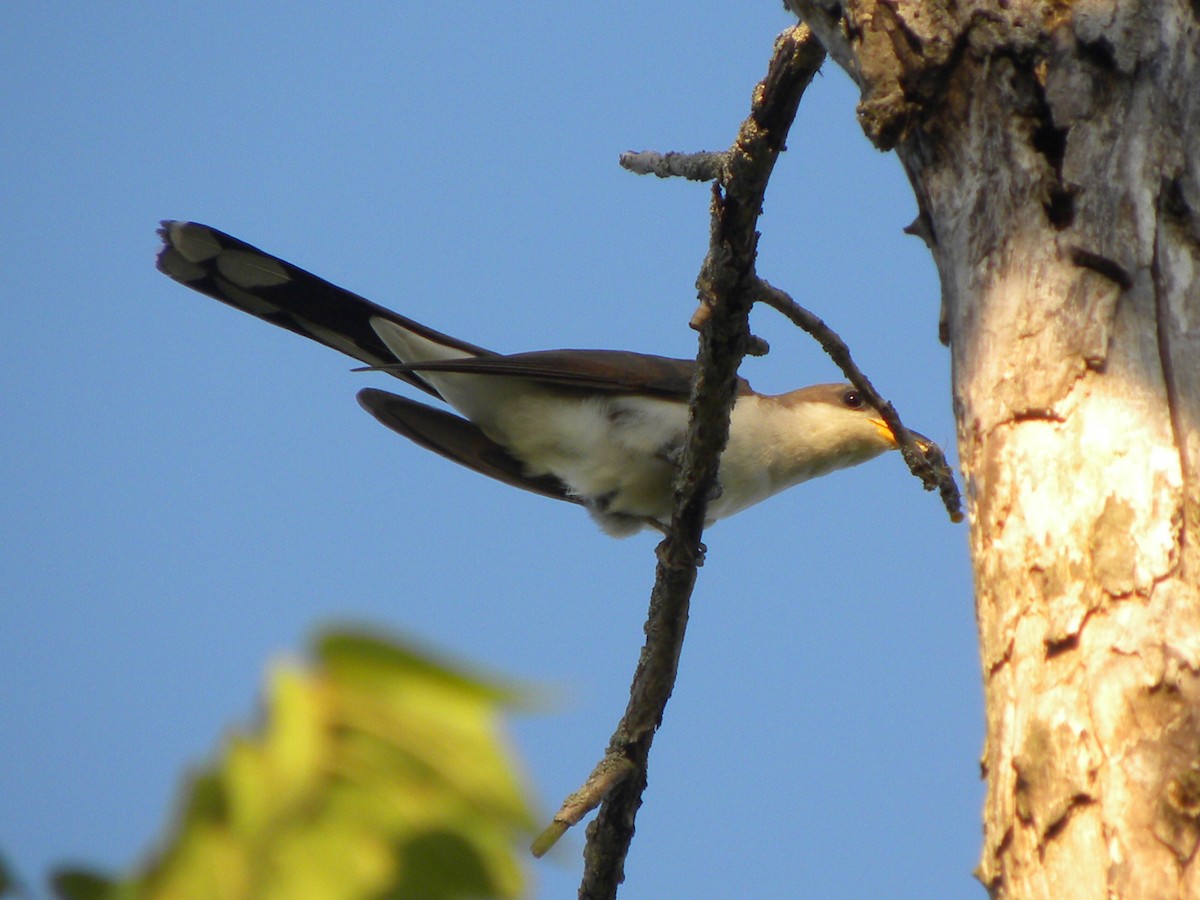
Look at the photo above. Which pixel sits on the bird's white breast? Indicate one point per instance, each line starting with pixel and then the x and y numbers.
pixel 615 450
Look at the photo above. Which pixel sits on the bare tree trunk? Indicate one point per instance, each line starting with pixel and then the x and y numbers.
pixel 1054 148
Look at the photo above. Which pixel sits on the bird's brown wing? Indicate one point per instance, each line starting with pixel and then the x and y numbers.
pixel 456 439
pixel 604 371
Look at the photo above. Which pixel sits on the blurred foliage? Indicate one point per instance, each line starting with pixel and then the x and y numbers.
pixel 375 773
pixel 8 884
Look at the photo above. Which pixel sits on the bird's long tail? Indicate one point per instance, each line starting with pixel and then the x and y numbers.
pixel 278 292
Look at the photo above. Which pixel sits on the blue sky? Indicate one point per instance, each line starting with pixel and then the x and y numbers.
pixel 189 493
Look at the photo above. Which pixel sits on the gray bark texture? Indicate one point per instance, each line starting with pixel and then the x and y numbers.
pixel 1054 150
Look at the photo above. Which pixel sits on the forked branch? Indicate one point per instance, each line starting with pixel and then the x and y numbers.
pixel 728 287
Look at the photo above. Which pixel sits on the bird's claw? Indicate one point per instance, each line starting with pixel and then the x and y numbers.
pixel 669 554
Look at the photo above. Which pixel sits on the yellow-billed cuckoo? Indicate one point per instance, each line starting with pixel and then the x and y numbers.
pixel 602 428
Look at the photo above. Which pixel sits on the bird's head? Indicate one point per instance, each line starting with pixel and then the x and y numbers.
pixel 835 428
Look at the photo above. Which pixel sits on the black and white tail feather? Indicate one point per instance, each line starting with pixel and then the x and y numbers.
pixel 275 291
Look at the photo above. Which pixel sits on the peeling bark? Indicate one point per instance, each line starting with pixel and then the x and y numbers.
pixel 1054 150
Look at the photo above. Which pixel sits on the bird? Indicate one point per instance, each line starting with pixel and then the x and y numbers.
pixel 600 428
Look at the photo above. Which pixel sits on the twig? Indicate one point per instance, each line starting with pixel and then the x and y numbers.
pixel 706 165
pixel 927 462
pixel 726 286
pixel 609 772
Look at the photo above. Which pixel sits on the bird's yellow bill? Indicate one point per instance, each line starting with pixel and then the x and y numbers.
pixel 923 442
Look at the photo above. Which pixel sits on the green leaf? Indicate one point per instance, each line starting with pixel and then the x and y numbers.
pixel 376 772
pixel 82 884
pixel 8 881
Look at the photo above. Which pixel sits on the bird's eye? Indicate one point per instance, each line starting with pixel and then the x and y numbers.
pixel 852 399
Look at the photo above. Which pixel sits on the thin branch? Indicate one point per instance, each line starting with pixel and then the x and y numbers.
pixel 706 165
pixel 727 288
pixel 926 462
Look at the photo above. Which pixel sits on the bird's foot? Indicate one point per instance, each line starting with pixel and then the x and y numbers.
pixel 670 556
